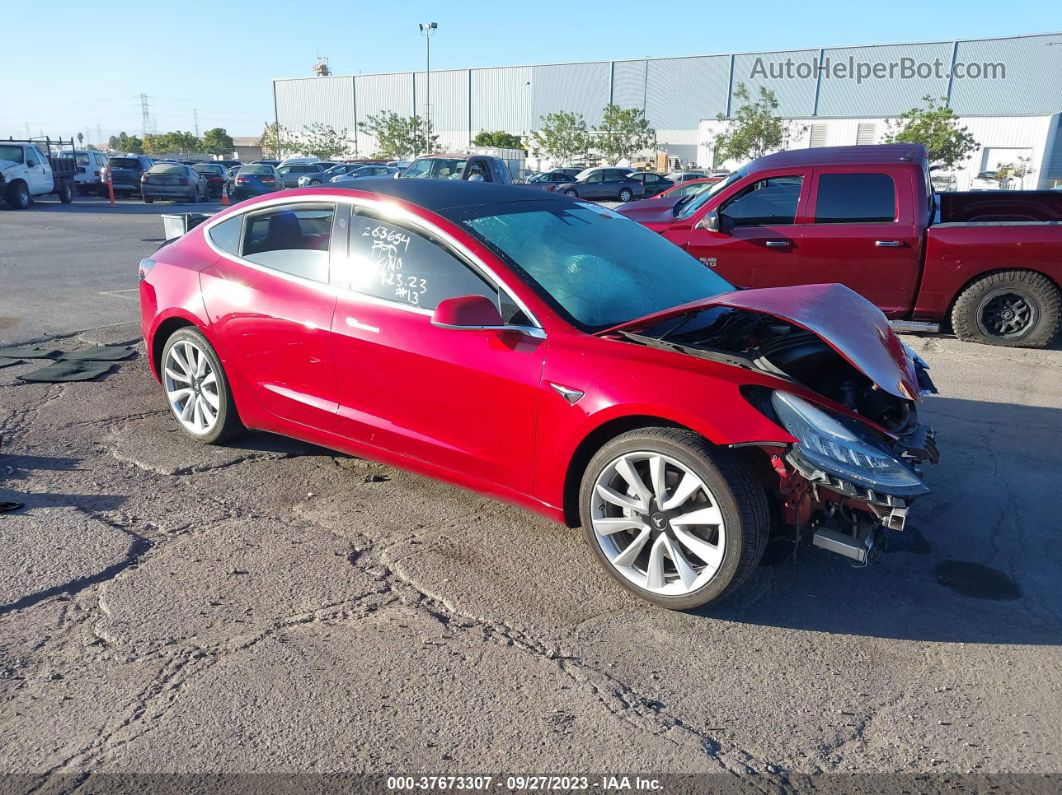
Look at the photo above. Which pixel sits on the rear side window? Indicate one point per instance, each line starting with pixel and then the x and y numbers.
pixel 855 198
pixel 226 235
pixel 397 264
pixel 292 240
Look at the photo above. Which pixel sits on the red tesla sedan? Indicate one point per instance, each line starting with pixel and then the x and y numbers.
pixel 553 353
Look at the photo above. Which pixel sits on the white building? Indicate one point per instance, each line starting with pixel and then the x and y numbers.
pixel 1008 91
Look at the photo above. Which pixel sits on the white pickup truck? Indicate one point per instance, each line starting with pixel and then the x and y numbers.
pixel 27 169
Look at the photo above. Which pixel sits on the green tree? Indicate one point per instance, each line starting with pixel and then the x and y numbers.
pixel 756 128
pixel 498 138
pixel 175 142
pixel 623 132
pixel 218 142
pixel 272 140
pixel 323 141
pixel 562 137
pixel 125 143
pixel 936 127
pixel 399 137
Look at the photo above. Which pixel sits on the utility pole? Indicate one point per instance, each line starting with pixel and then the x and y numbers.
pixel 426 30
pixel 99 136
pixel 195 119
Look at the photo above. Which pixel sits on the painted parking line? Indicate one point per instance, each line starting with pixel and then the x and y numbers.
pixel 122 293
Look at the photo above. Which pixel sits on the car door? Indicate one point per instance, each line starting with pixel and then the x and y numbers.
pixel 758 240
pixel 464 401
pixel 270 306
pixel 860 233
pixel 594 187
pixel 38 172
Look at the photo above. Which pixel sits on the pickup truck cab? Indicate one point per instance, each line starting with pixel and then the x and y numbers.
pixel 473 168
pixel 987 265
pixel 27 171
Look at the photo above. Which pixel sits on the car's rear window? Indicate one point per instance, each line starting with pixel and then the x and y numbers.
pixel 123 162
pixel 167 168
pixel 255 170
pixel 210 168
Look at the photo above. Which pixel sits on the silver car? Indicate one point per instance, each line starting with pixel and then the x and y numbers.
pixel 291 172
pixel 364 171
pixel 174 181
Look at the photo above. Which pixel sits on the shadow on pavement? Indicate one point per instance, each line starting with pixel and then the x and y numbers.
pixel 980 560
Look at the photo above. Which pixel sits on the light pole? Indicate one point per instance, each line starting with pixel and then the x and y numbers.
pixel 426 30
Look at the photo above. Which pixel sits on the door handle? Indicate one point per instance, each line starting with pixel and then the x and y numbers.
pixel 888 243
pixel 777 243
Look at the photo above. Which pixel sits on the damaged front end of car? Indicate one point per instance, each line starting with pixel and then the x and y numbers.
pixel 846 391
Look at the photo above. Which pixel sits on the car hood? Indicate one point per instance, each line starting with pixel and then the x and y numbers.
pixel 841 318
pixel 651 211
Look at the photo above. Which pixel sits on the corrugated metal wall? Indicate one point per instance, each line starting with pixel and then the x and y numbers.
pixel 677 93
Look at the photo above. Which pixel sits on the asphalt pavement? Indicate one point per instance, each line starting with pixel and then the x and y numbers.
pixel 269 606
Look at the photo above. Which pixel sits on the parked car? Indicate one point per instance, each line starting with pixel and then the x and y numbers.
pixel 548 181
pixel 359 172
pixel 570 171
pixel 256 179
pixel 690 186
pixel 291 172
pixel 29 169
pixel 90 165
pixel 604 183
pixel 652 183
pixel 475 168
pixel 577 364
pixel 125 171
pixel 228 163
pixel 176 181
pixel 265 162
pixel 322 177
pixel 216 175
pixel 989 180
pixel 989 266
pixel 678 177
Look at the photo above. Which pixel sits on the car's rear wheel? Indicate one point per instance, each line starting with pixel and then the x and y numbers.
pixel 672 519
pixel 625 195
pixel 1018 308
pixel 196 388
pixel 65 192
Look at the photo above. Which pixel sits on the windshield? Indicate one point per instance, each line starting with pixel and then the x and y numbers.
pixel 698 201
pixel 12 153
pixel 598 268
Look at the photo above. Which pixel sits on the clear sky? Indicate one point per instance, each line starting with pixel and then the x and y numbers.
pixel 218 58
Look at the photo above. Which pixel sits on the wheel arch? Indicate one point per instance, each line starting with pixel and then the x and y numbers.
pixel 163 331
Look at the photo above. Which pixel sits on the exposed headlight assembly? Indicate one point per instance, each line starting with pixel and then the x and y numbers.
pixel 827 443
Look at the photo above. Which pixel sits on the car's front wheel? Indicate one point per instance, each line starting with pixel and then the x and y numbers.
pixel 672 519
pixel 196 388
pixel 571 192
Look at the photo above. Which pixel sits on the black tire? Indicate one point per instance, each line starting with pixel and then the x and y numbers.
pixel 228 421
pixel 149 199
pixel 65 192
pixel 625 195
pixel 572 192
pixel 1015 308
pixel 739 495
pixel 18 196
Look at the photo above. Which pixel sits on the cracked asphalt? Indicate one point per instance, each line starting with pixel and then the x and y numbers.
pixel 270 606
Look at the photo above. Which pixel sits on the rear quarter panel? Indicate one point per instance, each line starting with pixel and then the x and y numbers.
pixel 958 253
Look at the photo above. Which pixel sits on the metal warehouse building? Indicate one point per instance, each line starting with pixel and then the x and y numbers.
pixel 1007 90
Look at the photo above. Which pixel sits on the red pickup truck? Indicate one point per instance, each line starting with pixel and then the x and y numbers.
pixel 988 265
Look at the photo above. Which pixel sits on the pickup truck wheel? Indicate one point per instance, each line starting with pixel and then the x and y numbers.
pixel 673 520
pixel 1015 308
pixel 149 199
pixel 65 193
pixel 18 196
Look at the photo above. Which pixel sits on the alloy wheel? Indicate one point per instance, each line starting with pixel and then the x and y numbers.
pixel 192 387
pixel 1007 314
pixel 657 523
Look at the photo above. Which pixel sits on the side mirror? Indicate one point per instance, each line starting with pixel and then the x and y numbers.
pixel 710 221
pixel 467 313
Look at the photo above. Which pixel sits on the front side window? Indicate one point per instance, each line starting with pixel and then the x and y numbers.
pixel 597 176
pixel 291 239
pixel 594 266
pixel 766 201
pixel 855 198
pixel 395 263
